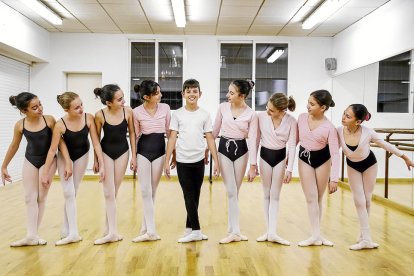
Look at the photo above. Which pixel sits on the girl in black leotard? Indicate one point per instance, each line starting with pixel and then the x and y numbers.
pixel 355 140
pixel 151 122
pixel 115 120
pixel 74 127
pixel 37 128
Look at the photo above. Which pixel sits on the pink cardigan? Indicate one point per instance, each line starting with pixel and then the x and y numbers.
pixel 282 136
pixel 368 135
pixel 244 126
pixel 317 139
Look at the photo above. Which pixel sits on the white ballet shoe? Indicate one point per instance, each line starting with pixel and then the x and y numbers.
pixel 326 242
pixel 142 231
pixel 191 237
pixel 275 238
pixel 188 231
pixel 364 244
pixel 28 241
pixel 310 241
pixel 243 237
pixel 359 239
pixel 262 238
pixel 146 237
pixel 230 238
pixel 64 234
pixel 108 239
pixel 69 239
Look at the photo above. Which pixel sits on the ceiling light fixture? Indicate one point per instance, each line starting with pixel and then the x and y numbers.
pixel 42 10
pixel 179 12
pixel 304 10
pixel 323 12
pixel 276 54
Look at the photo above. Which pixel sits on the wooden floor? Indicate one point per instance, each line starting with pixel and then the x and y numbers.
pixel 393 230
pixel 402 193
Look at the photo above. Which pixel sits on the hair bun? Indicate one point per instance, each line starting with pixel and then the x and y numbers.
pixel 12 100
pixel 368 116
pixel 137 87
pixel 291 104
pixel 98 91
pixel 332 103
pixel 251 84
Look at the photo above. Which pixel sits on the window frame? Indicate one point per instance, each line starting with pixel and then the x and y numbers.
pixel 253 42
pixel 157 41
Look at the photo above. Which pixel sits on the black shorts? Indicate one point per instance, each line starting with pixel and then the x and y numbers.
pixel 233 149
pixel 272 157
pixel 363 165
pixel 314 158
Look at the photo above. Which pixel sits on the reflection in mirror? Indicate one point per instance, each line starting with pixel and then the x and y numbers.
pixel 394 83
pixel 384 88
pixel 271 72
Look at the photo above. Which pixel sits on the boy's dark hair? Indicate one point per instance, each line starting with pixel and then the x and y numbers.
pixel 191 83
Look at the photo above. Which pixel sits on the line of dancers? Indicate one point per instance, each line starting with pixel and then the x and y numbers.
pixel 191 138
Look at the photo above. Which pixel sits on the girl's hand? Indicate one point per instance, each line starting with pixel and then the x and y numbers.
pixel 133 165
pixel 45 179
pixel 333 187
pixel 101 173
pixel 288 177
pixel 252 173
pixel 96 167
pixel 5 176
pixel 216 170
pixel 408 162
pixel 167 170
pixel 68 171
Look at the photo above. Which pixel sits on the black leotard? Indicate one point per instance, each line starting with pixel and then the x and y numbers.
pixel 38 144
pixel 363 165
pixel 151 146
pixel 77 141
pixel 272 157
pixel 114 143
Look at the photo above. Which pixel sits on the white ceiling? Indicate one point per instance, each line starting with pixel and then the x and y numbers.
pixel 204 17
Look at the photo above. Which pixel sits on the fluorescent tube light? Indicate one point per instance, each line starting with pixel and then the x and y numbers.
pixel 276 54
pixel 179 12
pixel 324 11
pixel 304 10
pixel 43 11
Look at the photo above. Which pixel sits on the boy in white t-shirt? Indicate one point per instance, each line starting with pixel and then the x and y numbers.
pixel 192 123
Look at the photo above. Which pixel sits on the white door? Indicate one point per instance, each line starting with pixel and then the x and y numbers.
pixel 14 78
pixel 83 85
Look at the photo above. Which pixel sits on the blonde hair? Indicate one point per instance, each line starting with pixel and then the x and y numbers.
pixel 66 99
pixel 281 102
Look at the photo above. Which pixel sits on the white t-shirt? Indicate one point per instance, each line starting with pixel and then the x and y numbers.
pixel 191 126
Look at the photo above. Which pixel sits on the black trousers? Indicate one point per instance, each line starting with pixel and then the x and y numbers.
pixel 191 176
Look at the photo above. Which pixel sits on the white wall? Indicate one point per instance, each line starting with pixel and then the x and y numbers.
pixel 21 38
pixel 384 33
pixel 108 54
